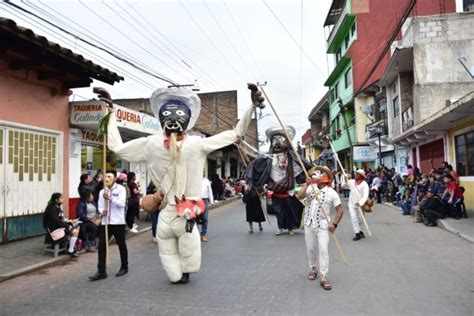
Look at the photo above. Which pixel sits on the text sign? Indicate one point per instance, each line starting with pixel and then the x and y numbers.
pixel 364 153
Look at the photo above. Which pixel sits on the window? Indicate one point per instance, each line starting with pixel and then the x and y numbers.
pixel 353 29
pixel 346 40
pixel 338 55
pixel 336 91
pixel 464 149
pixel 396 107
pixel 348 77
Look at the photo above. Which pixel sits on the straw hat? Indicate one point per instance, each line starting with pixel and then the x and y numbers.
pixel 361 172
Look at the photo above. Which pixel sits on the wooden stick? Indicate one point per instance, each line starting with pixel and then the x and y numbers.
pixel 343 256
pixel 352 188
pixel 106 202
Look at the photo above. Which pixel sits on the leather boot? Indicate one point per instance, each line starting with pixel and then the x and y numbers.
pixel 121 272
pixel 98 276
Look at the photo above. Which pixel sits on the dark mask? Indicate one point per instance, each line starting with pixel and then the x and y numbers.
pixel 279 143
pixel 174 117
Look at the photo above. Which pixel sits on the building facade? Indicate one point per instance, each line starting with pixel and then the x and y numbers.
pixel 35 147
pixel 359 34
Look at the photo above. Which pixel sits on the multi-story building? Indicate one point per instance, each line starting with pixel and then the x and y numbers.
pixel 430 95
pixel 360 35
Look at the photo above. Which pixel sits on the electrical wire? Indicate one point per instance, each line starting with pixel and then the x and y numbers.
pixel 209 39
pixel 228 40
pixel 161 77
pixel 187 63
pixel 292 37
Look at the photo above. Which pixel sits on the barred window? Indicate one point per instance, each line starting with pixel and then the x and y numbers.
pixel 464 149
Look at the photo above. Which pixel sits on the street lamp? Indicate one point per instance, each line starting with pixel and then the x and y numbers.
pixel 379 131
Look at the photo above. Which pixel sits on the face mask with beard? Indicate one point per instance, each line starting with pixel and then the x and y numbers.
pixel 174 117
pixel 279 143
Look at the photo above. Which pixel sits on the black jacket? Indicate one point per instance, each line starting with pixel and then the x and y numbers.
pixel 437 205
pixel 53 218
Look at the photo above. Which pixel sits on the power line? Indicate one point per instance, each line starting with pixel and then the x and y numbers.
pixel 142 47
pixel 208 38
pixel 291 36
pixel 243 39
pixel 228 39
pixel 204 74
pixel 55 34
pixel 163 78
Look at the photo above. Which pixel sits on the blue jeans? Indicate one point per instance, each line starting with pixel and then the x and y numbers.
pixel 205 218
pixel 154 222
pixel 406 207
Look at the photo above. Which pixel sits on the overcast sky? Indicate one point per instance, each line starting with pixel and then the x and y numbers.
pixel 221 44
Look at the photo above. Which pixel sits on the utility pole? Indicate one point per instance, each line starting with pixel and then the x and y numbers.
pixel 256 119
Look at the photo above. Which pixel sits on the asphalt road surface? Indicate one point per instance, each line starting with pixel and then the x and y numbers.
pixel 403 269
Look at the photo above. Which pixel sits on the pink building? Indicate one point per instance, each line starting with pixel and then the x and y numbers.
pixel 35 82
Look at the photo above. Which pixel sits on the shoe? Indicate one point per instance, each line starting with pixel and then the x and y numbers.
pixel 431 224
pixel 185 278
pixel 250 231
pixel 90 248
pixel 204 238
pixel 361 233
pixel 279 232
pixel 133 230
pixel 98 276
pixel 121 272
pixel 418 221
pixel 291 232
pixel 356 237
pixel 154 239
pixel 73 254
pixel 260 228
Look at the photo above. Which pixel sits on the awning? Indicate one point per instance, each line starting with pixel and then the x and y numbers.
pixel 453 115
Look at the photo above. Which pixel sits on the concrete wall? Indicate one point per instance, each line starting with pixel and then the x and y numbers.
pixel 394 123
pixel 26 100
pixel 361 119
pixel 438 43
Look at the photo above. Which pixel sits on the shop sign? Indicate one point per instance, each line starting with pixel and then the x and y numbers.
pixel 92 137
pixel 364 153
pixel 88 114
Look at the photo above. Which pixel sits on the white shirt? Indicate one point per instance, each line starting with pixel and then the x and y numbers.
pixel 207 190
pixel 116 205
pixel 187 180
pixel 359 193
pixel 313 212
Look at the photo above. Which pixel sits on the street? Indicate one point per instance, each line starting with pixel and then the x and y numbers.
pixel 404 268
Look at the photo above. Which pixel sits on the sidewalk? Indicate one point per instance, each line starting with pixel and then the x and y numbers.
pixel 463 227
pixel 24 256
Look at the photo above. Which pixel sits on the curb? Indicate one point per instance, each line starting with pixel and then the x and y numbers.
pixel 62 259
pixel 443 224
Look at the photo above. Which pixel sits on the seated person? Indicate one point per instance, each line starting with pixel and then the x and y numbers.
pixel 405 203
pixel 53 218
pixel 434 209
pixel 421 205
pixel 86 212
pixel 452 196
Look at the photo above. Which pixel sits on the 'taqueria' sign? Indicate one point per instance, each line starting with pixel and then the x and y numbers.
pixel 88 114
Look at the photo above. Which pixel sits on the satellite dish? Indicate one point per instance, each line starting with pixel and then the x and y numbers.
pixel 366 109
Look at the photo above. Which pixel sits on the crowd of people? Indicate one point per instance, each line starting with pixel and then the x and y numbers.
pixel 424 196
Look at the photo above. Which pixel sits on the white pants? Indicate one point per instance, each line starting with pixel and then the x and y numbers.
pixel 321 236
pixel 180 252
pixel 354 211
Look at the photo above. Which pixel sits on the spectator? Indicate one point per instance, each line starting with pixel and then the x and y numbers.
pixel 434 210
pixel 133 209
pixel 208 199
pixel 454 174
pixel 406 202
pixel 217 186
pixel 86 185
pixel 53 218
pixel 376 187
pixel 99 184
pixel 86 212
pixel 452 196
pixel 151 189
pixel 421 207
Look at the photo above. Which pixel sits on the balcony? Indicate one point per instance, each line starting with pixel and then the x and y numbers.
pixel 340 140
pixel 340 29
pixel 371 130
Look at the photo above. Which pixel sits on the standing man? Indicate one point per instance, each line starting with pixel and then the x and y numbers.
pixel 317 224
pixel 208 199
pixel 114 216
pixel 358 196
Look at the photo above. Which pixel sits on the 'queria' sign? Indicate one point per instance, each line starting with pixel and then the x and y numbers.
pixel 87 114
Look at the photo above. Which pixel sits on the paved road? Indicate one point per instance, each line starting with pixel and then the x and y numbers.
pixel 404 268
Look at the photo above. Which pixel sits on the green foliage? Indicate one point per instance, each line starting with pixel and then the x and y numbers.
pixel 103 123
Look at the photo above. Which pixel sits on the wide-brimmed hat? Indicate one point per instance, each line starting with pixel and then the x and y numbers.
pixel 326 174
pixel 278 130
pixel 361 172
pixel 179 95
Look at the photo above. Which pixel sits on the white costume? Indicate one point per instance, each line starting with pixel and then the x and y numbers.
pixel 359 194
pixel 180 252
pixel 316 226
